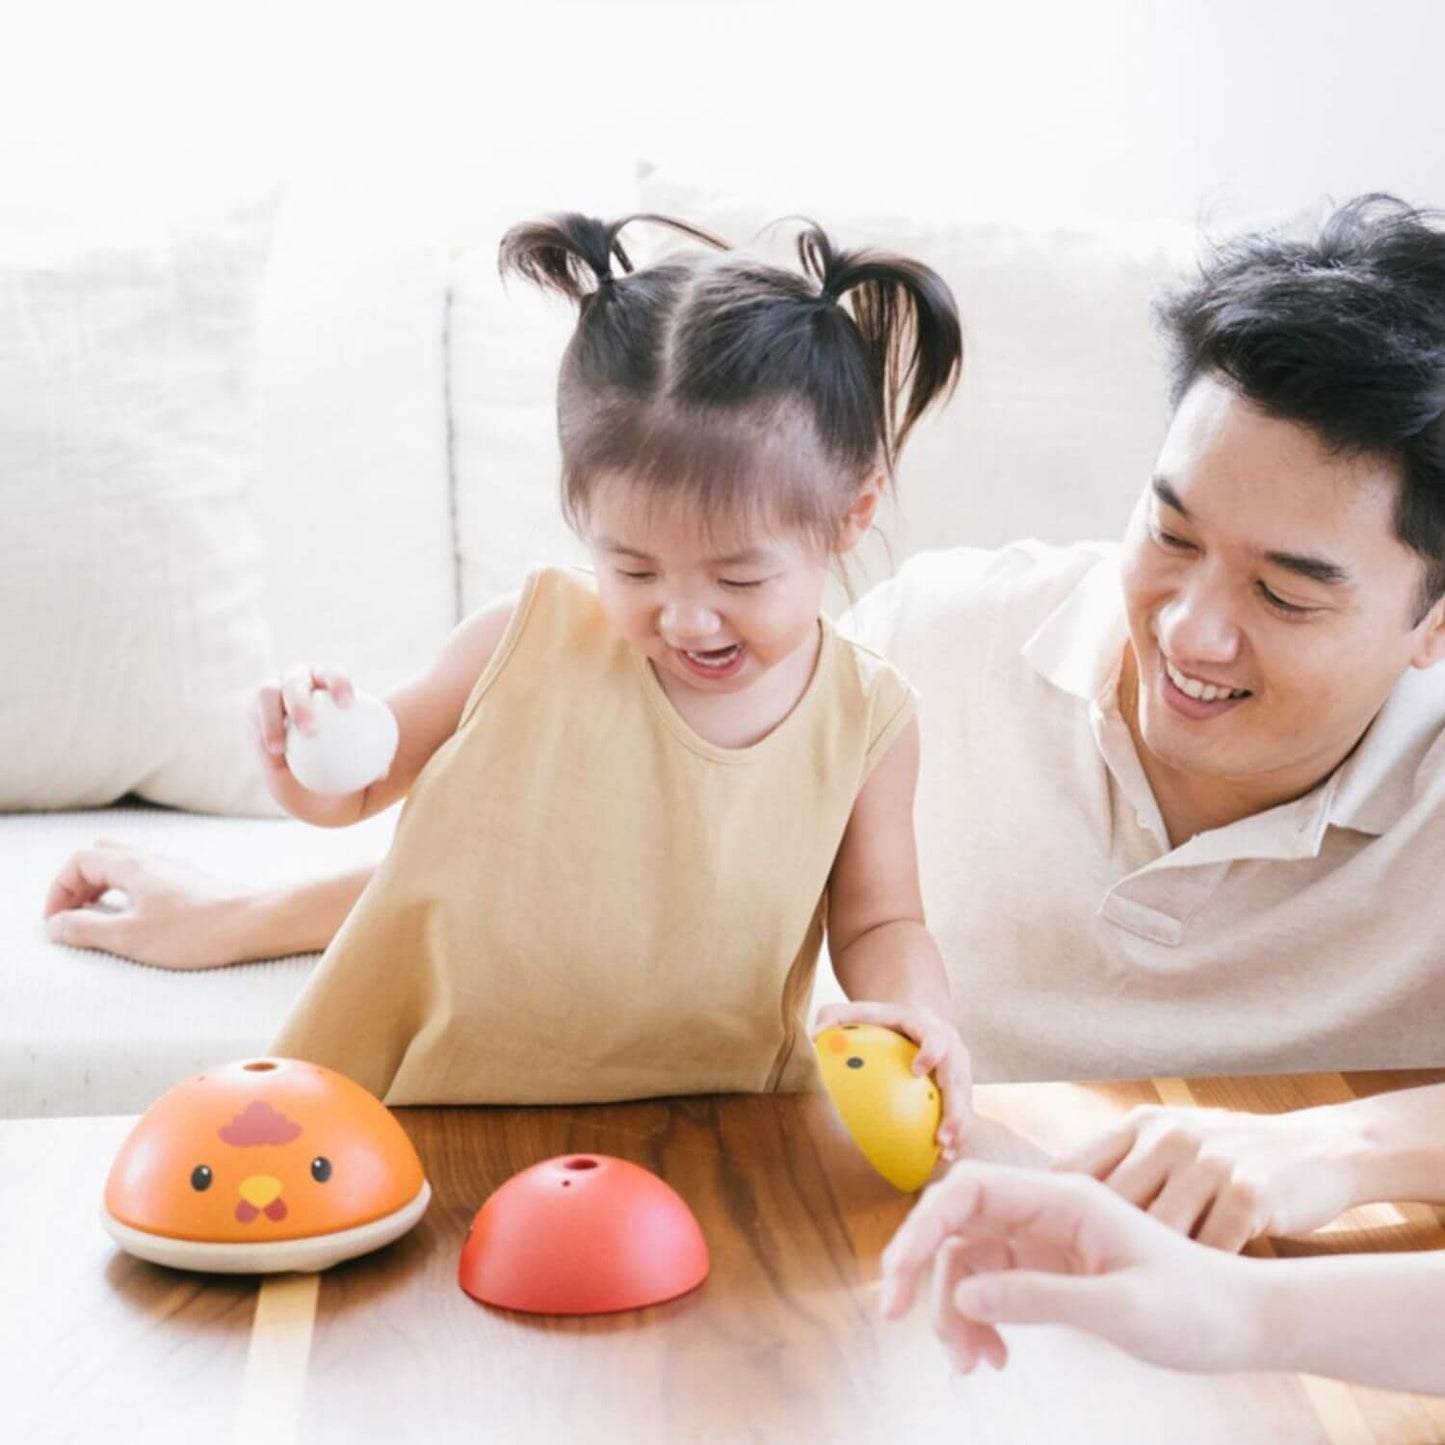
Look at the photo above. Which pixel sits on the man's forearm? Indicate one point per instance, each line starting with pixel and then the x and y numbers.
pixel 1398 1144
pixel 301 918
pixel 1371 1318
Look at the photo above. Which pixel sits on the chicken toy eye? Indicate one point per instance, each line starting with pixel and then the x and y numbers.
pixel 201 1178
pixel 321 1169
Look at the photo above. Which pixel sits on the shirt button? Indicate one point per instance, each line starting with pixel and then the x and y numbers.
pixel 1142 821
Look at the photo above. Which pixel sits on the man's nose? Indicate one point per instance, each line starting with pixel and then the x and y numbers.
pixel 1198 625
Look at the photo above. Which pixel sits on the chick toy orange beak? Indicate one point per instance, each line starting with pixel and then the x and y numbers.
pixel 892 1113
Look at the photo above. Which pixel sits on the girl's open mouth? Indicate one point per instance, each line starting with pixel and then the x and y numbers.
pixel 716 662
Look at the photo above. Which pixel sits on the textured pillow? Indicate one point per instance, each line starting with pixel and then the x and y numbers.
pixel 131 632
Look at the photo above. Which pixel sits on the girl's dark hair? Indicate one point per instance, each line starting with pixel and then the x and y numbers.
pixel 741 384
pixel 1344 334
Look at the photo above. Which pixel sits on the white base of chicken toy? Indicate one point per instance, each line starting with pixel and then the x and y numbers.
pixel 277 1256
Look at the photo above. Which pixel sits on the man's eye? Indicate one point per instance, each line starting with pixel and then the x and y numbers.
pixel 1289 609
pixel 1168 539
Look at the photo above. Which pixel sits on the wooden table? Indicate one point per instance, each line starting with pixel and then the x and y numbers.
pixel 782 1343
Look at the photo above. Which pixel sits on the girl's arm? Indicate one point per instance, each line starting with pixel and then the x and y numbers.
pixel 427 710
pixel 883 954
pixel 175 916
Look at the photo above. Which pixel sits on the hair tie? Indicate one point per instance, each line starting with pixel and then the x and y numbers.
pixel 604 278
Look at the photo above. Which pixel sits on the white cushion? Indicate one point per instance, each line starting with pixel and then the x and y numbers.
pixel 131 631
pixel 87 1033
pixel 1062 405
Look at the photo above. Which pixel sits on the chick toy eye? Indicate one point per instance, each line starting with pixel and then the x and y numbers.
pixel 201 1178
pixel 321 1169
pixel 855 1062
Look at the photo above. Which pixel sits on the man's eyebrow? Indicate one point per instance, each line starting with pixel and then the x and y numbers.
pixel 1317 569
pixel 1168 496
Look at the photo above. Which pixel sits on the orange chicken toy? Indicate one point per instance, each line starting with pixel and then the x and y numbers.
pixel 261 1166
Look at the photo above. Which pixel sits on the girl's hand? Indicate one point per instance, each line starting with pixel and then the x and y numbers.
pixel 1225 1178
pixel 941 1052
pixel 274 705
pixel 1005 1245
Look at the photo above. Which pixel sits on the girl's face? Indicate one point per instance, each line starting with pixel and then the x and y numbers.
pixel 714 609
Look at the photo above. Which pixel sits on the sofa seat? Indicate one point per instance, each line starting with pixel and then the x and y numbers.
pixel 83 1032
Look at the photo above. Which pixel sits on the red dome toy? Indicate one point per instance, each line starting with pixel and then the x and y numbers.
pixel 582 1234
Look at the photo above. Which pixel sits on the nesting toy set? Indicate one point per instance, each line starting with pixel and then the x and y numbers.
pixel 270 1165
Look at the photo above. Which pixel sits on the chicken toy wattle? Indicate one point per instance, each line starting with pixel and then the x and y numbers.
pixel 892 1113
pixel 263 1165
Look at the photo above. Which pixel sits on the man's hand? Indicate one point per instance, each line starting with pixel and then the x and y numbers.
pixel 941 1052
pixel 171 916
pixel 1003 1245
pixel 1223 1178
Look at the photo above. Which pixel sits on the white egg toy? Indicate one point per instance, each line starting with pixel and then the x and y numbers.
pixel 351 748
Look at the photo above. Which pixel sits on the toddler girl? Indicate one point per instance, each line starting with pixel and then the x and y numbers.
pixel 638 795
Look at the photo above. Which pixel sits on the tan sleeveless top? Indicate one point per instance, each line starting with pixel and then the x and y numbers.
pixel 585 900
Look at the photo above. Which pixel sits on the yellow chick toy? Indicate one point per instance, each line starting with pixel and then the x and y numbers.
pixel 892 1113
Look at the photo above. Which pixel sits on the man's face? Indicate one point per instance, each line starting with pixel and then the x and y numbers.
pixel 1271 607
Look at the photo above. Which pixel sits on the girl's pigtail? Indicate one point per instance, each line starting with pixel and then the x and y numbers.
pixel 572 254
pixel 908 320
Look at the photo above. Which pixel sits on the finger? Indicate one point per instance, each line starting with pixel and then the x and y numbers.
pixel 889 1016
pixel 86 876
pixel 1235 1218
pixel 1146 1168
pixel 96 928
pixel 977 1200
pixel 965 1341
pixel 957 1086
pixel 1028 1297
pixel 296 690
pixel 1188 1194
pixel 338 684
pixel 1100 1156
pixel 271 721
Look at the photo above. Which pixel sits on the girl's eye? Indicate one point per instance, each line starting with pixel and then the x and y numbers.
pixel 1289 609
pixel 742 586
pixel 635 576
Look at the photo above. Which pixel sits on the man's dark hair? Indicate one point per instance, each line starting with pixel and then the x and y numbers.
pixel 1344 334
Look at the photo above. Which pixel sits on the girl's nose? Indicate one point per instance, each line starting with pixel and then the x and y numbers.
pixel 683 622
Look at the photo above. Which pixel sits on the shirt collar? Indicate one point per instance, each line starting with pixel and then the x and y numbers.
pixel 1078 647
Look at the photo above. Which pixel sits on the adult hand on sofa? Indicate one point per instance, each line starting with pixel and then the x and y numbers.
pixel 172 916
pixel 1225 1178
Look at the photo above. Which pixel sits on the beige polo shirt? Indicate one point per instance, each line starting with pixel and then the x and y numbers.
pixel 1079 943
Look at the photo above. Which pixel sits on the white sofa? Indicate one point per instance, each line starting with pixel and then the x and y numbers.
pixel 408 472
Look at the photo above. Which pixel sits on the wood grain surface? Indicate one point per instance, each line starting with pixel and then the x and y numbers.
pixel 783 1342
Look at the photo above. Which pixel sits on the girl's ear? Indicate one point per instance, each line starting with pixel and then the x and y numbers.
pixel 858 519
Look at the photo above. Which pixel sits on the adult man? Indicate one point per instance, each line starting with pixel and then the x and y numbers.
pixel 1182 803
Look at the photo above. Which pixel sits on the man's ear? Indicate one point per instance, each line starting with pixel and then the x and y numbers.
pixel 1430 645
pixel 861 511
